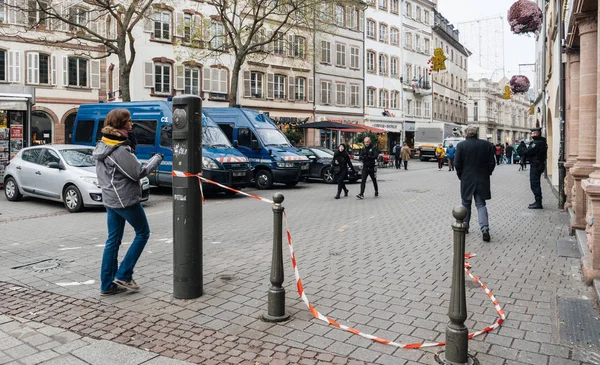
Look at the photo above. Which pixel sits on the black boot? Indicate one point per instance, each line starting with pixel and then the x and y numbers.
pixel 537 204
pixel 337 196
pixel 345 192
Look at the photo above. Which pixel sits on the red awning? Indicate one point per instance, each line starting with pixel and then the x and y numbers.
pixel 372 129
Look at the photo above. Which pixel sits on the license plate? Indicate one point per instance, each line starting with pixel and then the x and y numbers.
pixel 304 167
pixel 240 173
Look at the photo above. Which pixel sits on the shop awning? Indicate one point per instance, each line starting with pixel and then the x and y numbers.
pixel 325 125
pixel 359 128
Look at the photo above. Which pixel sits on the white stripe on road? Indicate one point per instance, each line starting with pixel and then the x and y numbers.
pixel 69 248
pixel 76 283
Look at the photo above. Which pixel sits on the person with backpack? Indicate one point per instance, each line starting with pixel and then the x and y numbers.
pixel 450 152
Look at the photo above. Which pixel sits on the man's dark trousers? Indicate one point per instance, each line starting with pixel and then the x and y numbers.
pixel 368 171
pixel 535 174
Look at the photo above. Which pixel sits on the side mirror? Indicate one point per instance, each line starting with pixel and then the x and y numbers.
pixel 236 144
pixel 312 157
pixel 254 145
pixel 54 165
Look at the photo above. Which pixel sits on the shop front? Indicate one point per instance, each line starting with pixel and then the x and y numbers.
pixel 15 122
pixel 286 123
pixel 392 136
pixel 331 138
pixel 409 134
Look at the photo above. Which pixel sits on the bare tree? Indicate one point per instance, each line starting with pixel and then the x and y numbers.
pixel 253 29
pixel 109 24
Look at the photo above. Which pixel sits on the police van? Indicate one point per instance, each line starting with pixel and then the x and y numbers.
pixel 152 125
pixel 272 156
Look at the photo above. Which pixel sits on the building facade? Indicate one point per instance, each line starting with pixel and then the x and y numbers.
pixel 499 120
pixel 450 87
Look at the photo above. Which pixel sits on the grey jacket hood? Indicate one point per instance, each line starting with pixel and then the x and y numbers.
pixel 119 174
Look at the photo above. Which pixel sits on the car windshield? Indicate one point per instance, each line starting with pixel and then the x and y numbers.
pixel 78 157
pixel 214 137
pixel 323 153
pixel 273 137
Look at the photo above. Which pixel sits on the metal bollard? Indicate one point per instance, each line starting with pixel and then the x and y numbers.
pixel 457 334
pixel 276 300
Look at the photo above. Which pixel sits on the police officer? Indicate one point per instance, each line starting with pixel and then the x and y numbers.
pixel 537 154
pixel 368 156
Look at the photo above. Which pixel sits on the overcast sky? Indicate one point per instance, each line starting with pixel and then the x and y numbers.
pixel 517 49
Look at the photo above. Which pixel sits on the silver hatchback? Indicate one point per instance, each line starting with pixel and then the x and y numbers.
pixel 64 173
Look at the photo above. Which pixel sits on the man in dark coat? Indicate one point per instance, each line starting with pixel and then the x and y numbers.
pixel 537 153
pixel 475 161
pixel 368 155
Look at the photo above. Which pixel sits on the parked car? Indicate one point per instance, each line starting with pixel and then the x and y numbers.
pixel 320 165
pixel 65 173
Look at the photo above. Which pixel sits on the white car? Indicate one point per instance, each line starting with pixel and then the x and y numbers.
pixel 65 173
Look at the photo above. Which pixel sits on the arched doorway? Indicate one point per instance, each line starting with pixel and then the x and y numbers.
pixel 42 128
pixel 69 122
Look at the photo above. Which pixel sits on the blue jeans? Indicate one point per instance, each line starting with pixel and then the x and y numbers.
pixel 116 219
pixel 482 213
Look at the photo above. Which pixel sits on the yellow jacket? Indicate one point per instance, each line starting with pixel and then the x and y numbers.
pixel 440 152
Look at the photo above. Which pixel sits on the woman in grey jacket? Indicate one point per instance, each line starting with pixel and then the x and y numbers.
pixel 119 173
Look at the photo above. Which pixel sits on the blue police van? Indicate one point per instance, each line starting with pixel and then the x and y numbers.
pixel 152 125
pixel 272 156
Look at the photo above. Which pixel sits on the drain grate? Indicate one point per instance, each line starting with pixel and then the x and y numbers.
pixel 579 323
pixel 41 266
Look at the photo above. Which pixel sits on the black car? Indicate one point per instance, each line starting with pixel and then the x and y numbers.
pixel 320 165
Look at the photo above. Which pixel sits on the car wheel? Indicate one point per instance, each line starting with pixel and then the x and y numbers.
pixel 291 184
pixel 73 199
pixel 327 175
pixel 263 179
pixel 11 190
pixel 423 159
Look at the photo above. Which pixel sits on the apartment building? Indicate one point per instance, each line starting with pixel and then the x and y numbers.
pixel 499 120
pixel 450 87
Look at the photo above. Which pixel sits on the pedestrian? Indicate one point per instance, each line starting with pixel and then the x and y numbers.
pixel 341 162
pixel 474 165
pixel 509 153
pixel 397 149
pixel 405 154
pixel 119 173
pixel 440 153
pixel 498 153
pixel 522 159
pixel 537 153
pixel 368 155
pixel 450 153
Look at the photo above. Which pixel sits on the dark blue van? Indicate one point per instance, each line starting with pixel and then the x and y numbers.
pixel 272 156
pixel 152 124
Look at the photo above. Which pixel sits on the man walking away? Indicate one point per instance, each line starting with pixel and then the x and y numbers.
pixel 498 153
pixel 537 153
pixel 450 153
pixel 368 155
pixel 509 153
pixel 475 163
pixel 397 149
pixel 521 150
pixel 405 154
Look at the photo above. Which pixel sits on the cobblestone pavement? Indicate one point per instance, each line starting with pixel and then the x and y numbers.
pixel 381 265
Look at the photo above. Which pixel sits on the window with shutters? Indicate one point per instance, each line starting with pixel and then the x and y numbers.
pixel 354 17
pixel 394 6
pixel 408 107
pixel 3 64
pixel 77 15
pixel 394 36
pixel 417 42
pixel 279 87
pixel 355 58
pixel 409 11
pixel 217 35
pixel 394 66
pixel 340 94
pixel 36 14
pixel 407 73
pixel 299 47
pixel 192 80
pixel 300 89
pixel 187 28
pixel 427 108
pixel 418 15
pixel 371 29
pixel 279 44
pixel 78 72
pixel 371 97
pixel 325 92
pixel 256 84
pixel 340 15
pixel 354 95
pixel 325 52
pixel 382 4
pixel 418 108
pixel 426 17
pixel 38 68
pixel 162 78
pixel 383 99
pixel 427 47
pixel 162 25
pixel 340 52
pixel 370 61
pixel 383 64
pixel 383 33
pixel 216 83
pixel 408 40
pixel 394 100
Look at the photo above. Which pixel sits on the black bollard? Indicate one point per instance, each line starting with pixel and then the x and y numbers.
pixel 187 200
pixel 457 334
pixel 276 299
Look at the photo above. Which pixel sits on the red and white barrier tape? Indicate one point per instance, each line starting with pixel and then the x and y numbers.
pixel 318 315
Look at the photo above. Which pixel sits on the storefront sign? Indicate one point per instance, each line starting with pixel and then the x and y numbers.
pixel 13 105
pixel 410 126
pixel 16 132
pixel 390 127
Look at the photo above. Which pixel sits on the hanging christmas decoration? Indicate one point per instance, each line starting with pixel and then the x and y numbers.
pixel 438 61
pixel 507 95
pixel 519 84
pixel 525 16
pixel 531 110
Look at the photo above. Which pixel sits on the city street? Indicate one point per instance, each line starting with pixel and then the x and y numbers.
pixel 381 265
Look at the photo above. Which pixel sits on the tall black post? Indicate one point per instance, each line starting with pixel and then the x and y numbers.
pixel 187 200
pixel 276 297
pixel 457 334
